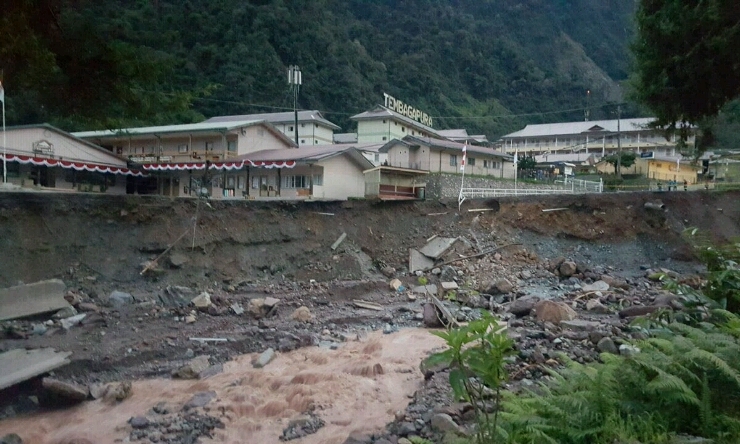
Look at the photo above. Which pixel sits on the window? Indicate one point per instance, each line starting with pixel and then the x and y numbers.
pixel 182 148
pixel 403 129
pixel 471 161
pixel 315 142
pixel 119 150
pixel 290 129
pixel 453 160
pixel 377 157
pixel 13 169
pixel 316 125
pixel 303 125
pixel 385 138
pixel 490 164
pixel 318 179
pixel 231 146
pixel 209 146
pixel 295 182
pixel 383 120
pixel 303 141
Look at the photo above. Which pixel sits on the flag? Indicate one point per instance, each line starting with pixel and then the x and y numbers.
pixel 465 155
pixel 678 164
pixel 2 93
pixel 516 158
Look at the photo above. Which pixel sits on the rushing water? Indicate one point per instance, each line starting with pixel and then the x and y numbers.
pixel 357 387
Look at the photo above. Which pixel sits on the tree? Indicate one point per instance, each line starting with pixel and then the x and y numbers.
pixel 687 66
pixel 625 159
pixel 526 163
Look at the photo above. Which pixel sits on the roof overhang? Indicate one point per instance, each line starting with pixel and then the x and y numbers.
pixel 397 170
pixel 217 166
pixel 77 166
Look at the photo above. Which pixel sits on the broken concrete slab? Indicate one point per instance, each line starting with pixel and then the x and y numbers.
pixel 596 286
pixel 21 365
pixel 425 289
pixel 32 299
pixel 339 241
pixel 437 247
pixel 419 262
pixel 71 322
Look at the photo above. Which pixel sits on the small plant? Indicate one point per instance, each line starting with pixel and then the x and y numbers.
pixel 419 440
pixel 423 280
pixel 476 355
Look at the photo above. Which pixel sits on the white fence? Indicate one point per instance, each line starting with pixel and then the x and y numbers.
pixel 570 186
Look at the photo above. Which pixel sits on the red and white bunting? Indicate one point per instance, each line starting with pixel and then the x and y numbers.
pixel 78 166
pixel 220 166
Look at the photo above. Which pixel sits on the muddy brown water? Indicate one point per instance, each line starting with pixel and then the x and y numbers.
pixel 357 387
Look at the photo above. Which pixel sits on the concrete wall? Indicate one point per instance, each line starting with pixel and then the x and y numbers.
pixel 639 141
pixel 258 138
pixel 342 179
pixel 434 160
pixel 61 179
pixel 309 133
pixel 447 186
pixel 384 129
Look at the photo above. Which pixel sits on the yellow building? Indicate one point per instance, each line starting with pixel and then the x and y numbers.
pixel 658 168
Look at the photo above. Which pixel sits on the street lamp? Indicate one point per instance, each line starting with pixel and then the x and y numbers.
pixel 295 80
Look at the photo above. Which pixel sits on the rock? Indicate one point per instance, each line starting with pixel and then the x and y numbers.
pixel 117 391
pixel 71 322
pixel 628 350
pixel 260 307
pixel 404 441
pixel 596 286
pixel 39 329
pixel 64 313
pixel 555 263
pixel 567 269
pixel 522 306
pixel 302 314
pixel 358 438
pixel 396 284
pixel 73 298
pixel 579 325
pixel 406 429
pixel 11 438
pixel 118 299
pixel 429 370
pixel 202 301
pixel 606 345
pixel 174 296
pixel 447 274
pixel 638 310
pixel 189 319
pixel 88 307
pixel 436 271
pixel 668 300
pixel 615 282
pixel 66 391
pixel 554 312
pixel 177 260
pixel 193 369
pixel 596 306
pixel 443 423
pixel 450 286
pixel 199 399
pixel 431 318
pixel 139 422
pixel 265 358
pixel 501 286
pixel 388 271
pixel 237 308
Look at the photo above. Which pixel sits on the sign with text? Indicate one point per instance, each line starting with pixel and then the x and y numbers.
pixel 647 155
pixel 406 110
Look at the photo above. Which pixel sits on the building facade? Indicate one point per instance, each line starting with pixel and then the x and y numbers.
pixel 42 156
pixel 601 137
pixel 444 156
pixel 313 128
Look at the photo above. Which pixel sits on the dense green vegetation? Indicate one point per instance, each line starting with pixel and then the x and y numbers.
pixel 471 63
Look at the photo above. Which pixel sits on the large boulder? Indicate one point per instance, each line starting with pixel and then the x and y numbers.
pixel 65 391
pixel 118 299
pixel 554 312
pixel 499 286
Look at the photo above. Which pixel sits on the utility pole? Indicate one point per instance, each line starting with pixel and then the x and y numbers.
pixel 619 141
pixel 587 112
pixel 295 80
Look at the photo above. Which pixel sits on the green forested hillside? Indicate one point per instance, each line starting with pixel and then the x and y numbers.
pixel 469 63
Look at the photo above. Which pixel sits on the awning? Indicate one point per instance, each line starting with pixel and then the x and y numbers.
pixel 78 166
pixel 220 166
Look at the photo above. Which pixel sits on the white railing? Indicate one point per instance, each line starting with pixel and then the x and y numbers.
pixel 583 186
pixel 478 193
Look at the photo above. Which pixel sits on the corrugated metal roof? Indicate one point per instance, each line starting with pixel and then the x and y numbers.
pixel 184 128
pixel 283 117
pixel 72 136
pixel 310 153
pixel 573 128
pixel 453 133
pixel 570 157
pixel 447 145
pixel 345 138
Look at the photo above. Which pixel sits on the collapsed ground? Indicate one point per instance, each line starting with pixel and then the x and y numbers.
pixel 241 251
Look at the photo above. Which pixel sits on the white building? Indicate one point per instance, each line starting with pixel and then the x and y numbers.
pixel 599 137
pixel 313 128
pixel 42 156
